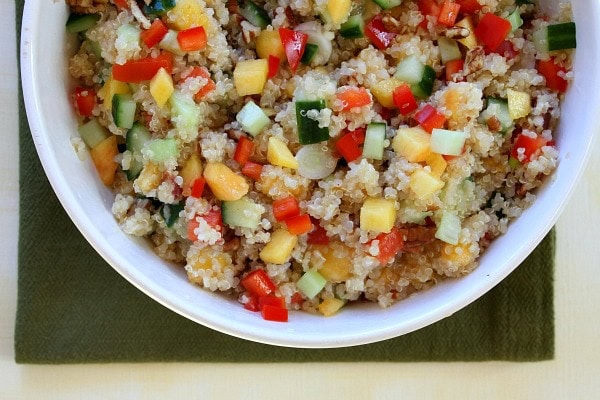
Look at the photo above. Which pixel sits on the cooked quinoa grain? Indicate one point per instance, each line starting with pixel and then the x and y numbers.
pixel 306 155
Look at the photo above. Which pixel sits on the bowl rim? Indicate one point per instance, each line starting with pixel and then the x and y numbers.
pixel 31 93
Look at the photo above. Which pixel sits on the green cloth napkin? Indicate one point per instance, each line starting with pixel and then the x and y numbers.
pixel 74 308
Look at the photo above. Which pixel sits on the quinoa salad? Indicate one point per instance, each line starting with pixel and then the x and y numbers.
pixel 308 154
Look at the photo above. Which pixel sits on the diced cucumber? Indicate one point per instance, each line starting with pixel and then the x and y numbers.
pixel 244 213
pixel 315 161
pixel 123 110
pixel 161 150
pixel 449 143
pixel 159 7
pixel 170 213
pixel 311 283
pixel 169 42
pixel 374 141
pixel 419 76
pixel 498 108
pixel 556 37
pixel 81 22
pixel 184 114
pixel 449 228
pixel 128 36
pixel 515 19
pixel 387 4
pixel 252 118
pixel 309 131
pixel 92 133
pixel 354 28
pixel 255 14
pixel 449 50
pixel 136 139
pixel 310 51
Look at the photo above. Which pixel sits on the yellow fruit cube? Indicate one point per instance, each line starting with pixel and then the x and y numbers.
pixel 338 10
pixel 187 14
pixel 279 154
pixel 225 184
pixel 279 249
pixel 519 104
pixel 384 91
pixel 336 267
pixel 424 184
pixel 437 163
pixel 149 179
pixel 470 41
pixel 207 258
pixel 412 144
pixel 161 87
pixel 191 171
pixel 110 88
pixel 377 215
pixel 459 254
pixel 268 43
pixel 250 76
pixel 330 306
pixel 103 156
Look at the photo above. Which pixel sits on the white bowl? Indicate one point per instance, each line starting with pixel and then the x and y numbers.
pixel 46 84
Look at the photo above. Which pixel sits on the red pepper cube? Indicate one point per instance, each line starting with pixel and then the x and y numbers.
pixel 273 66
pixel 454 67
pixel 469 6
pixel 275 314
pixel 271 300
pixel 143 69
pixel 121 4
pixel 192 39
pixel 198 187
pixel 294 44
pixel 531 147
pixel 448 13
pixel 354 97
pixel 492 30
pixel 359 135
pixel 153 35
pixel 206 89
pixel 252 170
pixel 429 118
pixel 285 208
pixel 243 150
pixel 258 283
pixel 428 7
pixel 299 225
pixel 379 36
pixel 252 304
pixel 85 101
pixel 552 72
pixel 404 99
pixel 389 245
pixel 318 235
pixel 348 148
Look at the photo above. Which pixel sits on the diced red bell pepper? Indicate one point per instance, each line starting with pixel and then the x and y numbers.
pixel 192 39
pixel 429 118
pixel 552 71
pixel 213 218
pixel 469 6
pixel 428 7
pixel 505 49
pixel 404 99
pixel 389 245
pixel 275 314
pixel 453 67
pixel 379 36
pixel 252 170
pixel 354 97
pixel 198 187
pixel 274 62
pixel 294 44
pixel 143 69
pixel 299 225
pixel 348 148
pixel 531 146
pixel 318 234
pixel 448 13
pixel 153 35
pixel 492 30
pixel 206 89
pixel 297 298
pixel 85 101
pixel 271 300
pixel 243 150
pixel 359 135
pixel 121 4
pixel 258 283
pixel 252 304
pixel 285 208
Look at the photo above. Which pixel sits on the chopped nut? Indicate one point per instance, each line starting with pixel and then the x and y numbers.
pixel 457 32
pixel 474 60
pixel 494 124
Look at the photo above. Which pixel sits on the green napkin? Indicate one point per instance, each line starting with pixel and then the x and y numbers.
pixel 74 308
